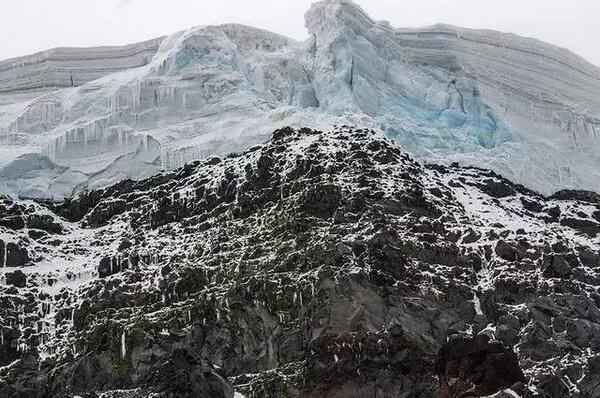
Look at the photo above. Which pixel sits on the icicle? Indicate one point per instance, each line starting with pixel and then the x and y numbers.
pixel 5 254
pixel 123 345
pixel 477 303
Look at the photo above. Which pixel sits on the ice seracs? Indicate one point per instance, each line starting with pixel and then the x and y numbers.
pixel 527 109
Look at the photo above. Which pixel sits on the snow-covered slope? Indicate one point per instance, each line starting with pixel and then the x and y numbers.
pixel 320 264
pixel 526 109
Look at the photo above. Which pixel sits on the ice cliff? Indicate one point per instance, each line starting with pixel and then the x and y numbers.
pixel 526 109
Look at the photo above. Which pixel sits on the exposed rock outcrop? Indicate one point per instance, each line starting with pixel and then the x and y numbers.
pixel 320 264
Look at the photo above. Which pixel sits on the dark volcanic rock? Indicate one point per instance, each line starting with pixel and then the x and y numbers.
pixel 104 211
pixel 552 386
pixel 13 255
pixel 105 268
pixel 321 200
pixel 553 213
pixel 557 266
pixel 12 222
pixel 186 376
pixel 532 205
pixel 45 223
pixel 507 251
pixel 583 196
pixel 16 278
pixel 497 189
pixel 320 264
pixel 476 367
pixel 587 227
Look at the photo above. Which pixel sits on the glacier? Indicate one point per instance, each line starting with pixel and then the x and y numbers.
pixel 78 119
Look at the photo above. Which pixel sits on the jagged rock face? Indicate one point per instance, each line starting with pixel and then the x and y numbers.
pixel 523 108
pixel 476 367
pixel 315 265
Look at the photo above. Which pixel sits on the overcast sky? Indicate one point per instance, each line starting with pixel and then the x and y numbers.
pixel 31 25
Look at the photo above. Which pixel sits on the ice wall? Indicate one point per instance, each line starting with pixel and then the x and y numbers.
pixel 68 67
pixel 524 108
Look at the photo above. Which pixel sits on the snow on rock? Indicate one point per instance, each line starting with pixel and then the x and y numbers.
pixel 526 109
pixel 318 261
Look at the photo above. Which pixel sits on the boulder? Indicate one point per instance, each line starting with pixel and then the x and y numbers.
pixel 184 375
pixel 321 200
pixel 553 386
pixel 16 279
pixel 506 251
pixel 44 222
pixel 12 222
pixel 557 266
pixel 104 211
pixel 588 227
pixel 13 255
pixel 497 189
pixel 476 366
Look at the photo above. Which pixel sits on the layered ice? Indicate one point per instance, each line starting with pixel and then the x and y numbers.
pixel 526 109
pixel 67 67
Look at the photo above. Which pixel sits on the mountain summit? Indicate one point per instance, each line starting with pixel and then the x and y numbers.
pixel 79 119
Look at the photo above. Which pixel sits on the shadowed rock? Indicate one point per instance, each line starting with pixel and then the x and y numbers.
pixel 474 367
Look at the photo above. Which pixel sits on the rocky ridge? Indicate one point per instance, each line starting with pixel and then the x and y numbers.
pixel 317 264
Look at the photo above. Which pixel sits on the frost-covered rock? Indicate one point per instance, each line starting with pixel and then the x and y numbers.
pixel 320 264
pixel 526 109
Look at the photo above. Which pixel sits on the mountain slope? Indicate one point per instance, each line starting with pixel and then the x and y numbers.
pixel 523 108
pixel 318 264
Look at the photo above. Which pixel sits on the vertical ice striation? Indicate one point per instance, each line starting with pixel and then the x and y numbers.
pixel 123 344
pixel 524 108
